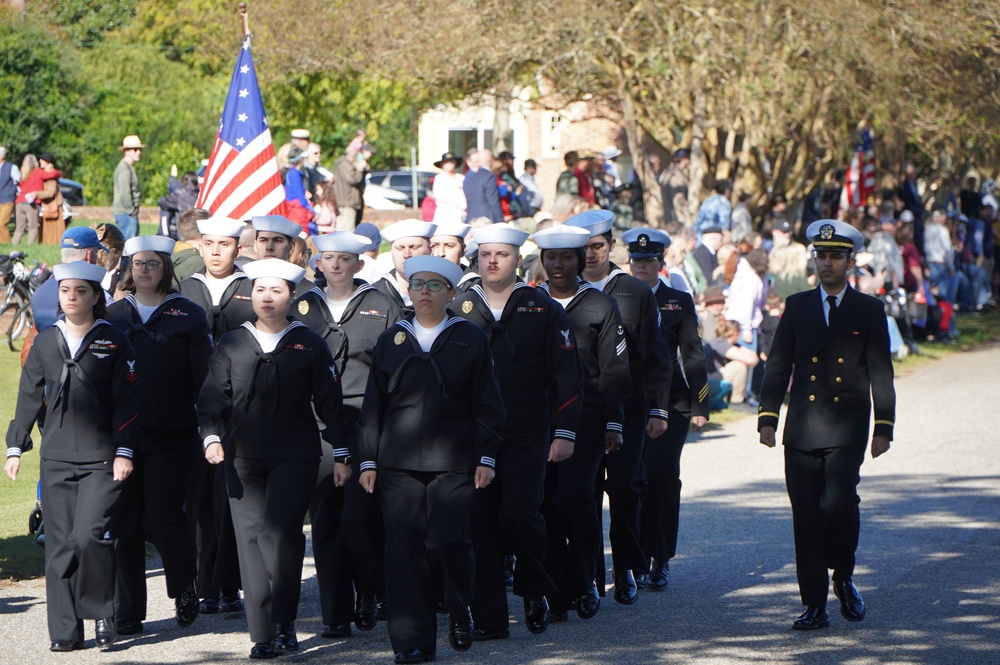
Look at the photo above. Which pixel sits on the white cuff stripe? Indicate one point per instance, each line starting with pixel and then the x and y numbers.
pixel 369 466
pixel 124 452
pixel 565 434
pixel 659 413
pixel 613 427
pixel 210 439
pixel 13 452
pixel 487 461
pixel 341 452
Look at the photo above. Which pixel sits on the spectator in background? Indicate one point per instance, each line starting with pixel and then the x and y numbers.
pixel 34 175
pixel 747 299
pixel 10 176
pixel 182 197
pixel 677 277
pixel 598 179
pixel 788 267
pixel 532 198
pixel 325 205
pixel 887 259
pixel 511 202
pixel 674 183
pixel 912 201
pixel 348 187
pixel 705 253
pixel 78 243
pixel 811 207
pixel 109 255
pixel 567 182
pixel 969 197
pixel 742 221
pixel 187 257
pixel 127 195
pixel 940 255
pixel 584 178
pixel 358 142
pixel 481 191
pixel 298 207
pixel 448 191
pixel 729 362
pixel 715 211
pixel 712 303
pixel 567 205
pixel 611 155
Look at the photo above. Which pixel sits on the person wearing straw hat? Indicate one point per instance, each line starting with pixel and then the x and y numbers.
pixel 274 237
pixel 645 413
pixel 347 532
pixel 408 238
pixel 268 383
pixel 541 381
pixel 224 293
pixel 833 344
pixel 429 435
pixel 172 341
pixel 81 378
pixel 127 195
pixel 575 537
pixel 448 241
pixel 688 403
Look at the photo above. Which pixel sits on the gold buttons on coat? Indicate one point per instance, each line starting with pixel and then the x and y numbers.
pixel 812 378
pixel 839 380
pixel 836 399
pixel 815 359
pixel 812 398
pixel 840 360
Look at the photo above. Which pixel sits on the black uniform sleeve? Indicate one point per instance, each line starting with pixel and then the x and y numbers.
pixel 328 401
pixel 566 374
pixel 199 350
pixel 488 408
pixel 373 410
pixel 215 402
pixel 657 365
pixel 30 402
pixel 779 369
pixel 693 357
pixel 616 380
pixel 125 411
pixel 881 372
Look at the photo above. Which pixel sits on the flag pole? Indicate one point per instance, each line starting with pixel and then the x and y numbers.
pixel 242 7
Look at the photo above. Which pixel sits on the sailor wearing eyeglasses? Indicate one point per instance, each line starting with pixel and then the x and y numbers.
pixel 430 429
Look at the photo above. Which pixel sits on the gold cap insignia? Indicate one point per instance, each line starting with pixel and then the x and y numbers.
pixel 303 307
pixel 643 240
pixel 826 231
pixel 467 306
pixel 399 338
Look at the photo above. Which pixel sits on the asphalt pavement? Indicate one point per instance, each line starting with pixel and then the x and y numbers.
pixel 928 564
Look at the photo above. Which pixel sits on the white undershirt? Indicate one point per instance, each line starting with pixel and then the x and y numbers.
pixel 74 344
pixel 145 311
pixel 426 336
pixel 564 301
pixel 217 287
pixel 337 307
pixel 269 341
pixel 600 283
pixel 497 313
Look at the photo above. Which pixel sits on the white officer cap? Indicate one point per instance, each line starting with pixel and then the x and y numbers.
pixel 274 268
pixel 221 226
pixel 79 270
pixel 471 248
pixel 300 134
pixel 833 234
pixel 500 233
pixel 561 237
pixel 644 242
pixel 598 222
pixel 276 224
pixel 408 228
pixel 455 229
pixel 342 241
pixel 149 244
pixel 450 272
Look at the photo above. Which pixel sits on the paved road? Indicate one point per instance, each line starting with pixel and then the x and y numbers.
pixel 929 563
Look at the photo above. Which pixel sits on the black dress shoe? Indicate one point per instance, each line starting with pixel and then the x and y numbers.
pixel 208 606
pixel 814 618
pixel 128 627
pixel 383 615
pixel 264 650
pixel 659 576
pixel 106 631
pixel 230 602
pixel 366 612
pixel 332 632
pixel 641 580
pixel 851 605
pixel 536 614
pixel 626 592
pixel 415 656
pixel 286 640
pixel 483 635
pixel 65 645
pixel 588 604
pixel 461 632
pixel 186 607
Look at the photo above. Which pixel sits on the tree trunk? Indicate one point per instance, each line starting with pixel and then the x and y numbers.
pixel 652 197
pixel 698 124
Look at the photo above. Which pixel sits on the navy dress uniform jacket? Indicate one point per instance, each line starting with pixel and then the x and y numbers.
pixel 175 345
pixel 837 373
pixel 247 387
pixel 679 321
pixel 234 308
pixel 534 349
pixel 387 287
pixel 436 411
pixel 90 401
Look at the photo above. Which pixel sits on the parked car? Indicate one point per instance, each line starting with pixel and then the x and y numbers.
pixel 72 192
pixel 378 197
pixel 402 181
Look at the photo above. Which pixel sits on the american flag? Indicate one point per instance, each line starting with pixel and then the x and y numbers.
pixel 859 181
pixel 242 178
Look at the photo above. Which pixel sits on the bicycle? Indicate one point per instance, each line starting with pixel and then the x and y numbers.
pixel 21 282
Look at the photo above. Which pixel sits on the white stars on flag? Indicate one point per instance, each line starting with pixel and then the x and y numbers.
pixel 240 142
pixel 244 69
pixel 244 92
pixel 242 117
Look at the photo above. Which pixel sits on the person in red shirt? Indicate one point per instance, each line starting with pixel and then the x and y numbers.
pixel 32 189
pixel 582 172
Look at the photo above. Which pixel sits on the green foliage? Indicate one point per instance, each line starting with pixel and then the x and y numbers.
pixel 86 21
pixel 46 98
pixel 202 34
pixel 333 108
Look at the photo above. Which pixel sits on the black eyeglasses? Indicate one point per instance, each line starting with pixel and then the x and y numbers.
pixel 148 265
pixel 433 285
